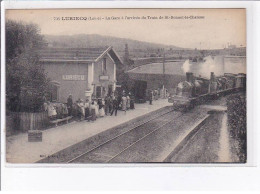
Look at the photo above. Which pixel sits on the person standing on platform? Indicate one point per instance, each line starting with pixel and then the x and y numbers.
pixel 151 97
pixel 64 110
pixel 119 101
pixel 81 106
pixel 45 106
pixel 127 102
pixel 51 111
pixel 132 101
pixel 110 103
pixel 101 108
pixel 96 108
pixel 107 105
pixel 93 111
pixel 115 106
pixel 87 110
pixel 161 92
pixel 155 95
pixel 124 101
pixel 69 104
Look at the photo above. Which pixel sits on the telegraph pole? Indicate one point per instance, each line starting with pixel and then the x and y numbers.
pixel 163 63
pixel 164 80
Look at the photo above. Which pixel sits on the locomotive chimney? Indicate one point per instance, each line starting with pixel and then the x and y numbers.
pixel 189 77
pixel 212 76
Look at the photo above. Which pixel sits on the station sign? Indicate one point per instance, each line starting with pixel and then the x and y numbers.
pixel 74 77
pixel 103 77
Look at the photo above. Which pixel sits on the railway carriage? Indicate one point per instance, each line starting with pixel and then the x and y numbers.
pixel 198 89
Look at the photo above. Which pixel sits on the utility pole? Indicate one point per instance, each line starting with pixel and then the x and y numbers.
pixel 163 62
pixel 164 80
pixel 126 55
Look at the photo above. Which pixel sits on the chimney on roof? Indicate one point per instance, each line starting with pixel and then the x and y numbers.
pixel 212 77
pixel 189 77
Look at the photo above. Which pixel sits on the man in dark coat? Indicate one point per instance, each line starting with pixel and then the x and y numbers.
pixel 132 101
pixel 151 97
pixel 69 104
pixel 115 106
pixel 108 106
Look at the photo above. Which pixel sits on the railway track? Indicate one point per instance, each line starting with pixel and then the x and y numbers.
pixel 153 141
pixel 67 154
pixel 124 141
pixel 149 139
pixel 161 143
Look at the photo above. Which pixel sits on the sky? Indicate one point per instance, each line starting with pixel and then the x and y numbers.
pixel 215 28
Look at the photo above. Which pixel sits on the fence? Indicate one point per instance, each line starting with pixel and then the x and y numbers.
pixel 23 121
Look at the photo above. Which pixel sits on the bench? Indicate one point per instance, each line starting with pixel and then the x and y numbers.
pixel 61 120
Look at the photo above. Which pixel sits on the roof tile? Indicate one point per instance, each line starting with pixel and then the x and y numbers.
pixel 71 54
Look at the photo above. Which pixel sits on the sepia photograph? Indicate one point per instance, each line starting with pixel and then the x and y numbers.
pixel 120 86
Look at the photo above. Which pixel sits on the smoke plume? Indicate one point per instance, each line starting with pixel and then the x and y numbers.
pixel 186 66
pixel 211 64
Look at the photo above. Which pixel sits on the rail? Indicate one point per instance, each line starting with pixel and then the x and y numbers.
pixel 106 142
pixel 141 139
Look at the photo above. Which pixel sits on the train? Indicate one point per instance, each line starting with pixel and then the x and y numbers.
pixel 198 89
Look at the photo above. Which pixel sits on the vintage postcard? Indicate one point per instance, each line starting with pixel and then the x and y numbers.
pixel 91 86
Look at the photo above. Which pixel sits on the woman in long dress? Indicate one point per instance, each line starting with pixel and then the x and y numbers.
pixel 93 111
pixel 96 108
pixel 127 102
pixel 81 109
pixel 124 101
pixel 51 111
pixel 101 108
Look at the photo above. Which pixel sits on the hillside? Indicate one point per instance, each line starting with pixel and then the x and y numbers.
pixel 94 40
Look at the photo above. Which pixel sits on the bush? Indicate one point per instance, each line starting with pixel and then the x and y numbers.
pixel 236 110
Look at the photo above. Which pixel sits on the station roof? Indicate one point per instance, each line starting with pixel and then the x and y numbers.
pixel 171 68
pixel 51 54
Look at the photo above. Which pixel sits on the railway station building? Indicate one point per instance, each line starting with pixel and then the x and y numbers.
pixel 81 72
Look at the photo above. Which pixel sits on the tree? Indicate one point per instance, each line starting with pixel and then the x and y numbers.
pixel 26 81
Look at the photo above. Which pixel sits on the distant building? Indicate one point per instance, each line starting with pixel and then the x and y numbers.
pixel 80 71
pixel 232 46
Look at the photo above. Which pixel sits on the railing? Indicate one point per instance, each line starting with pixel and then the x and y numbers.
pixel 23 121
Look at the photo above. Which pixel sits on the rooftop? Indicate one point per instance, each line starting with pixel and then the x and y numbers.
pixel 73 54
pixel 171 68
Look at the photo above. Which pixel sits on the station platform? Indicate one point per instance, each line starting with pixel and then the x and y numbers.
pixel 19 150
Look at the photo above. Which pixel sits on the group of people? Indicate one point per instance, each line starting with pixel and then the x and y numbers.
pixel 156 94
pixel 92 109
pixel 55 111
pixel 114 102
pixel 88 110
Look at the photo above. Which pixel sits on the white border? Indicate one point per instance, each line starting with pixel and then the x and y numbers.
pixel 195 177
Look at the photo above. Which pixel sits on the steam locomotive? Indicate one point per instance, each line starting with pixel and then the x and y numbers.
pixel 197 89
